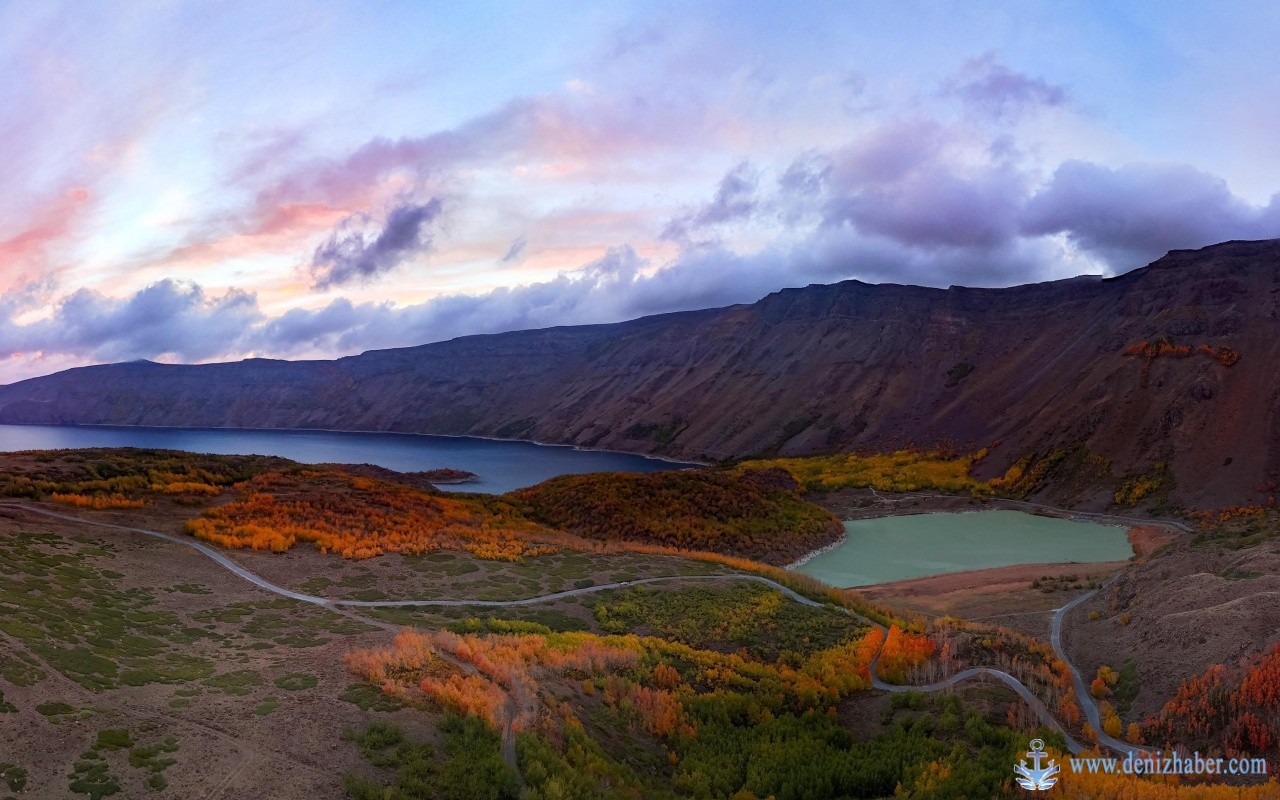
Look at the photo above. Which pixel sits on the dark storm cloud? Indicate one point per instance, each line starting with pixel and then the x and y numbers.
pixel 1135 213
pixel 352 255
pixel 989 87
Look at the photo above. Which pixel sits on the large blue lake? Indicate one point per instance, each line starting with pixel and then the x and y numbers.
pixel 501 465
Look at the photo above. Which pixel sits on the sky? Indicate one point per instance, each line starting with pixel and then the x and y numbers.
pixel 203 181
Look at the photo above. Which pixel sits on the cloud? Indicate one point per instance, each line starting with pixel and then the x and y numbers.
pixel 350 255
pixel 937 207
pixel 890 152
pixel 598 291
pixel 802 188
pixel 916 183
pixel 735 199
pixel 168 318
pixel 629 40
pixel 306 330
pixel 617 264
pixel 45 228
pixel 180 321
pixel 1132 214
pixel 515 252
pixel 990 88
pixel 577 125
pixel 852 91
pixel 915 199
pixel 925 186
pixel 806 175
pixel 582 133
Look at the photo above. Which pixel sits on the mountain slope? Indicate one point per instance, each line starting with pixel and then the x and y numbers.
pixel 845 366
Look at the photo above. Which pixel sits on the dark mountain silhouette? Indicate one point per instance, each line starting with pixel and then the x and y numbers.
pixel 1037 368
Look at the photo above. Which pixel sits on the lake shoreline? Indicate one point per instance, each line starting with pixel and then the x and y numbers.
pixel 494 466
pixel 826 548
pixel 988 578
pixel 579 448
pixel 856 578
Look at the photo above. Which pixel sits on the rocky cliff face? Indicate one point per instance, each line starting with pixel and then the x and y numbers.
pixel 1037 368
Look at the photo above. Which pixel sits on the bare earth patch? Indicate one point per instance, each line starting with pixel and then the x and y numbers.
pixel 1177 614
pixel 1147 539
pixel 1004 595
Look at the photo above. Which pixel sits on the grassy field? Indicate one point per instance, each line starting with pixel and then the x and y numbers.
pixel 130 668
pixel 442 575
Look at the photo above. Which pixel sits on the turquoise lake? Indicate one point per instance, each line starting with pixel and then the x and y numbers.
pixel 917 545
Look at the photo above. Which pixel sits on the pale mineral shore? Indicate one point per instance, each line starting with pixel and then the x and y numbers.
pixel 986 581
pixel 826 548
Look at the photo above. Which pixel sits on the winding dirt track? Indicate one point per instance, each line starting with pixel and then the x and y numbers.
pixel 1082 690
pixel 1082 693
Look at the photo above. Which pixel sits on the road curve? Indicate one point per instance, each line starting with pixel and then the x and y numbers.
pixel 1036 704
pixel 1085 698
pixel 185 541
pixel 548 598
pixel 263 583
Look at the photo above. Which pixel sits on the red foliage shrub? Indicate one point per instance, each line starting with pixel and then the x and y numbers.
pixel 360 517
pixel 1237 711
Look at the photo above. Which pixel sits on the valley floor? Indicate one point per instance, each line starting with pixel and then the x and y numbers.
pixel 141 666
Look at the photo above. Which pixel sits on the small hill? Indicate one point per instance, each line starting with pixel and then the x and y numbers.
pixel 756 515
pixel 1206 600
pixel 108 471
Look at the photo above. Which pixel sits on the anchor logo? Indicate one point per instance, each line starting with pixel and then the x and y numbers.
pixel 1036 778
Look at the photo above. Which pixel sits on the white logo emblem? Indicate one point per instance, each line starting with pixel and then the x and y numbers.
pixel 1035 778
